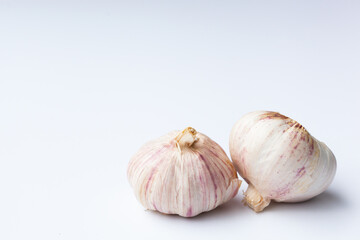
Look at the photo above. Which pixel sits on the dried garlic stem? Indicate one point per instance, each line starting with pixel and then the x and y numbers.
pixel 186 138
pixel 254 200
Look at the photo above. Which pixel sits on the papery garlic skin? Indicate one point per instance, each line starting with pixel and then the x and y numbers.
pixel 184 173
pixel 279 159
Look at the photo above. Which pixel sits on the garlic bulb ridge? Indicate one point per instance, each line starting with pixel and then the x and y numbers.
pixel 279 159
pixel 182 172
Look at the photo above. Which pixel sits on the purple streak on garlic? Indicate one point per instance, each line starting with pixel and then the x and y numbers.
pixel 184 173
pixel 279 159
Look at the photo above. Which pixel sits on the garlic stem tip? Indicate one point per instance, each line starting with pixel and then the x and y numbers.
pixel 187 137
pixel 254 199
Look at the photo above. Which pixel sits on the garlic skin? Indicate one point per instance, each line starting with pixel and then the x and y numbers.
pixel 184 173
pixel 279 159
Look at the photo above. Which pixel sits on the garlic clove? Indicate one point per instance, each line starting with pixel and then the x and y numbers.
pixel 279 159
pixel 184 173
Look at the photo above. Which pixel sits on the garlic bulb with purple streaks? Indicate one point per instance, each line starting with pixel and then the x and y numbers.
pixel 184 173
pixel 279 159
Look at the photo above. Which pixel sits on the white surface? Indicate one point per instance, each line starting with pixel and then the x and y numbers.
pixel 84 84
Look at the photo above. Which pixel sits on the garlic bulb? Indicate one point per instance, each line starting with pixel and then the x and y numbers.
pixel 184 173
pixel 279 159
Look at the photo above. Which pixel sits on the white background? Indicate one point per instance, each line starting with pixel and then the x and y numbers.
pixel 84 84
